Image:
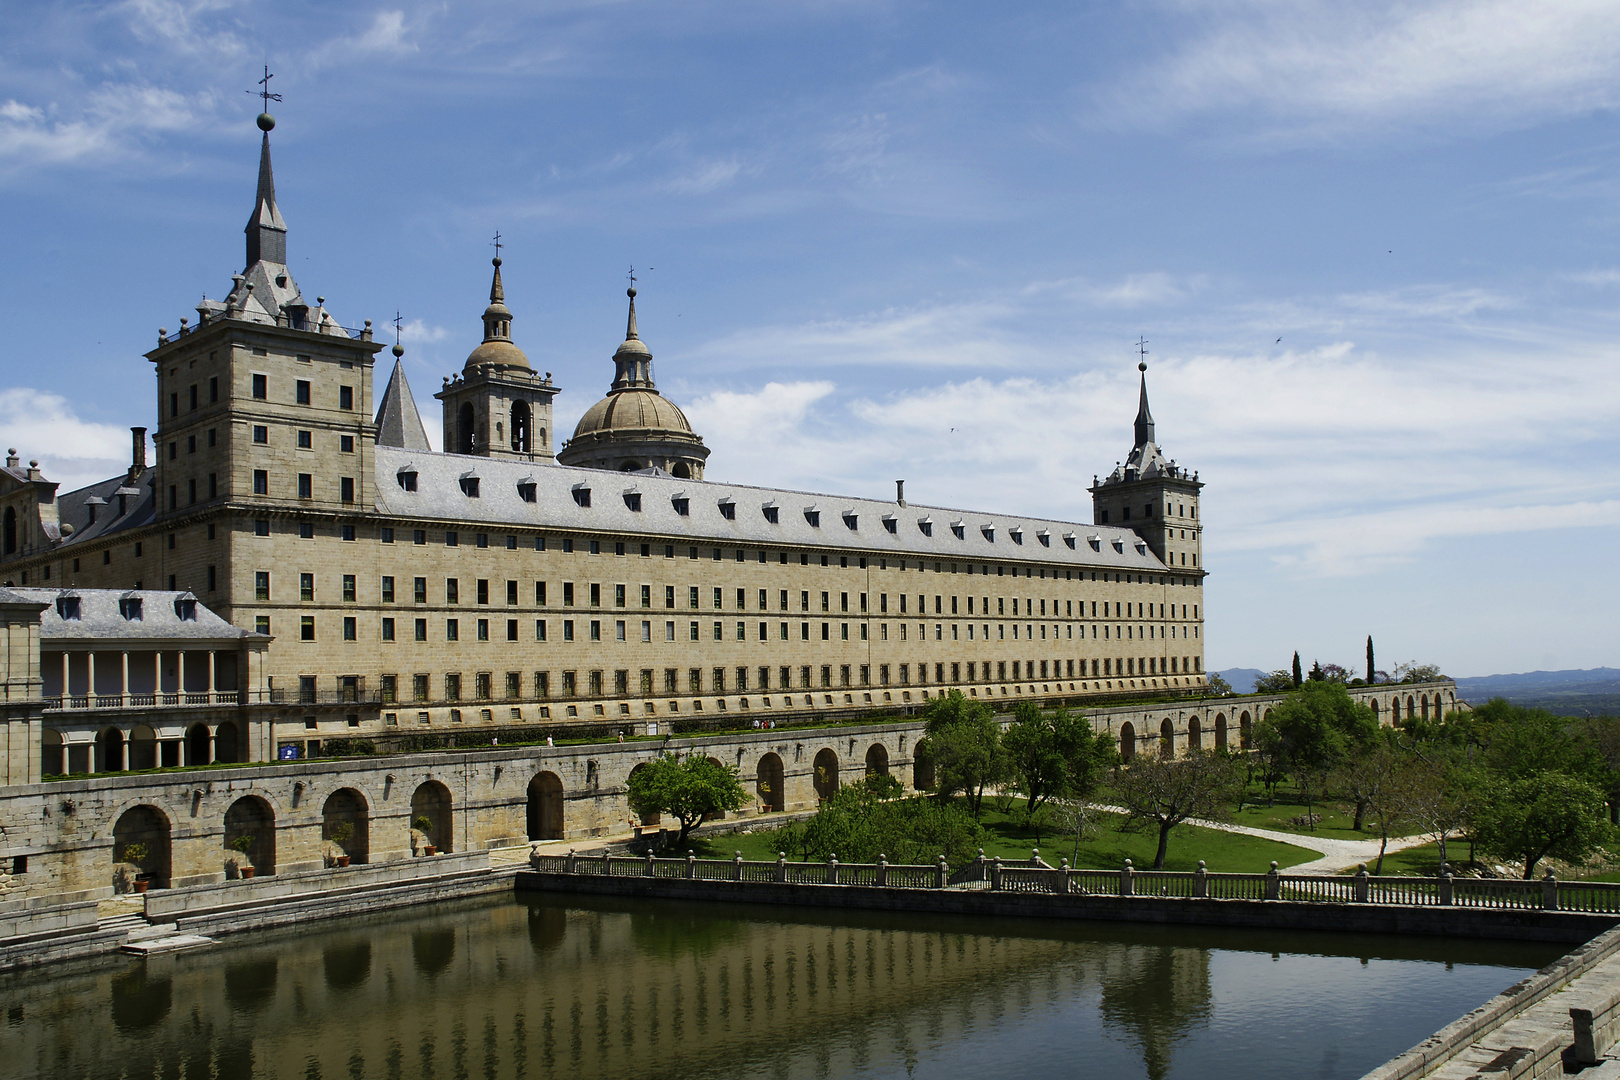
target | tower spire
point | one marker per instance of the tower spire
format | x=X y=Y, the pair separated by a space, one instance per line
x=266 y=232
x=497 y=317
x=630 y=327
x=1144 y=418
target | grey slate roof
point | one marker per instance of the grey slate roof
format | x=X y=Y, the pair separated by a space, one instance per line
x=100 y=617
x=852 y=524
x=140 y=502
x=398 y=422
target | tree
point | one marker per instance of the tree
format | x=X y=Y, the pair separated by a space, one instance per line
x=1372 y=670
x=1313 y=731
x=1073 y=817
x=1336 y=673
x=1376 y=779
x=964 y=745
x=1415 y=673
x=1276 y=682
x=1219 y=687
x=688 y=789
x=1298 y=676
x=1055 y=757
x=1535 y=817
x=1438 y=794
x=857 y=825
x=1165 y=793
x=1316 y=671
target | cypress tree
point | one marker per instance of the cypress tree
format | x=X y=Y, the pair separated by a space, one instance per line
x=1299 y=675
x=1369 y=660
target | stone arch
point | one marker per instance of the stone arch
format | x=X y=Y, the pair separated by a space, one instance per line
x=922 y=767
x=110 y=751
x=1195 y=734
x=52 y=753
x=1423 y=705
x=199 y=745
x=1220 y=731
x=431 y=800
x=1395 y=711
x=252 y=817
x=347 y=806
x=650 y=818
x=1411 y=707
x=9 y=542
x=1167 y=738
x=142 y=747
x=520 y=427
x=630 y=465
x=149 y=827
x=227 y=742
x=877 y=760
x=682 y=471
x=1373 y=705
x=545 y=807
x=466 y=431
x=824 y=770
x=1127 y=741
x=1245 y=732
x=769 y=783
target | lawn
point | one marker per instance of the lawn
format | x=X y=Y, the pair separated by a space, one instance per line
x=1106 y=849
x=1424 y=861
x=1335 y=823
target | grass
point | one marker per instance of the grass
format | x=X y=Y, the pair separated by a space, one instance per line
x=1106 y=849
x=1335 y=823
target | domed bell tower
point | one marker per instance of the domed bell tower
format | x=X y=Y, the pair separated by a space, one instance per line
x=498 y=406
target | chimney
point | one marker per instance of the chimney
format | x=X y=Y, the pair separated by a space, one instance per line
x=900 y=492
x=138 y=455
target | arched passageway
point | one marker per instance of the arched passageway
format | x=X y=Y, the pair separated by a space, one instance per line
x=430 y=807
x=199 y=745
x=825 y=769
x=227 y=745
x=716 y=815
x=1127 y=741
x=769 y=783
x=250 y=828
x=545 y=807
x=1167 y=738
x=1245 y=732
x=141 y=838
x=922 y=767
x=346 y=822
x=52 y=753
x=1195 y=734
x=877 y=760
x=142 y=747
x=1220 y=731
x=110 y=751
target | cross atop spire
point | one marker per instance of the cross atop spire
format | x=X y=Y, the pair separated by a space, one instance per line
x=497 y=243
x=266 y=232
x=264 y=90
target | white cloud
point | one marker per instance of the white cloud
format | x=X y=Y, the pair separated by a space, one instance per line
x=418 y=332
x=109 y=125
x=71 y=450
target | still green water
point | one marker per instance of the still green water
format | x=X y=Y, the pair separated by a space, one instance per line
x=542 y=986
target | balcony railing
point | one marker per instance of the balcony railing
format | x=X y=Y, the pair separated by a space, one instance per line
x=166 y=700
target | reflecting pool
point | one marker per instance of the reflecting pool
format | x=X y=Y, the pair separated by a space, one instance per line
x=545 y=986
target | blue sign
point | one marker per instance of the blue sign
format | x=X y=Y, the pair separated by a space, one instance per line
x=289 y=752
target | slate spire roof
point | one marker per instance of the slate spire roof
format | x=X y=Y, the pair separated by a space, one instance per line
x=398 y=422
x=1144 y=418
x=266 y=232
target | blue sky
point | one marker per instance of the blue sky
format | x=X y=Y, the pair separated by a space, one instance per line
x=907 y=239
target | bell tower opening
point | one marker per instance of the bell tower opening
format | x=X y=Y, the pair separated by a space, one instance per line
x=520 y=427
x=466 y=429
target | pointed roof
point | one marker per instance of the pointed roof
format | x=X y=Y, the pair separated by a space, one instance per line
x=496 y=350
x=266 y=231
x=398 y=422
x=632 y=361
x=1144 y=418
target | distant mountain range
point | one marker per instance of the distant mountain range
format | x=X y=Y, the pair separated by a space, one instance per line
x=1594 y=691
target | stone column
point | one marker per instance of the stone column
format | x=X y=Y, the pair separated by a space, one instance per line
x=210 y=676
x=65 y=694
x=123 y=678
x=157 y=677
x=90 y=678
x=180 y=675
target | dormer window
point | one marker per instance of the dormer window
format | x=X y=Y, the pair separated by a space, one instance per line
x=1095 y=542
x=1141 y=549
x=582 y=495
x=1119 y=545
x=1044 y=537
x=1017 y=534
x=67 y=607
x=1068 y=538
x=185 y=608
x=772 y=513
x=130 y=608
x=407 y=479
x=813 y=516
x=926 y=526
x=469 y=486
x=527 y=489
x=891 y=523
x=682 y=505
x=987 y=531
x=850 y=520
x=632 y=500
x=728 y=509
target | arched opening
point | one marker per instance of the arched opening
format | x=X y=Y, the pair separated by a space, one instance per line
x=1373 y=704
x=52 y=754
x=1244 y=731
x=1127 y=741
x=1167 y=738
x=1411 y=707
x=682 y=471
x=922 y=767
x=141 y=838
x=630 y=466
x=716 y=815
x=769 y=785
x=346 y=822
x=545 y=807
x=1395 y=711
x=110 y=751
x=10 y=541
x=825 y=769
x=520 y=427
x=653 y=818
x=466 y=434
x=877 y=760
x=226 y=746
x=1423 y=706
x=199 y=746
x=142 y=747
x=1195 y=734
x=251 y=818
x=430 y=806
x=1220 y=731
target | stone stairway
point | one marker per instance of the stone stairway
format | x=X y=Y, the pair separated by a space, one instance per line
x=146 y=938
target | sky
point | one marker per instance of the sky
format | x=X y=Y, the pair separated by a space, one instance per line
x=1372 y=249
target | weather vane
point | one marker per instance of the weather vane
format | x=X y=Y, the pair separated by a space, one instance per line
x=497 y=243
x=1141 y=349
x=397 y=321
x=265 y=92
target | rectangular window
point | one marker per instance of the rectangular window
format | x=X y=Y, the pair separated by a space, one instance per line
x=419 y=688
x=261 y=387
x=596 y=595
x=539 y=629
x=306 y=486
x=596 y=630
x=452 y=630
x=261 y=585
x=306 y=628
x=348 y=628
x=452 y=686
x=511 y=630
x=346 y=397
x=483 y=629
x=387 y=589
x=568 y=629
x=511 y=594
x=388 y=629
x=421 y=629
x=348 y=588
x=452 y=590
x=483 y=590
x=346 y=489
x=261 y=482
x=306 y=587
x=303 y=392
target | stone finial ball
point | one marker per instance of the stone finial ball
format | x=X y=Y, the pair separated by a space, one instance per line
x=399 y=350
x=496 y=261
x=266 y=121
x=630 y=292
x=1142 y=366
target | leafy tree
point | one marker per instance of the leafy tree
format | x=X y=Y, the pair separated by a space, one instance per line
x=688 y=789
x=1516 y=742
x=1439 y=794
x=1316 y=671
x=1057 y=756
x=1552 y=814
x=1601 y=736
x=883 y=785
x=857 y=825
x=1376 y=779
x=1336 y=673
x=1164 y=793
x=1072 y=817
x=964 y=745
x=1219 y=687
x=1415 y=673
x=1276 y=682
x=1314 y=731
x=1298 y=677
x=1372 y=669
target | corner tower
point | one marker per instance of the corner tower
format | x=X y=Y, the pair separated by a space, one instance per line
x=635 y=427
x=1153 y=497
x=498 y=406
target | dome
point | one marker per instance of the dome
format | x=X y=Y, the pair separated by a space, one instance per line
x=496 y=353
x=633 y=410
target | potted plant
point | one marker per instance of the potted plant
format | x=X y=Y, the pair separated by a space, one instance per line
x=340 y=833
x=135 y=854
x=424 y=825
x=242 y=844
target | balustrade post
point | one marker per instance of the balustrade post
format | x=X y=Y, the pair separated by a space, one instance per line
x=832 y=869
x=941 y=873
x=1549 y=892
x=883 y=870
x=568 y=864
x=1063 y=887
x=1273 y=883
x=1363 y=886
x=1445 y=885
x=607 y=863
x=1126 y=886
x=781 y=866
x=736 y=867
x=995 y=875
x=649 y=872
x=980 y=864
x=1201 y=881
x=691 y=866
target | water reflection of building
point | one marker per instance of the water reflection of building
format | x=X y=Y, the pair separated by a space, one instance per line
x=552 y=991
x=1157 y=994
